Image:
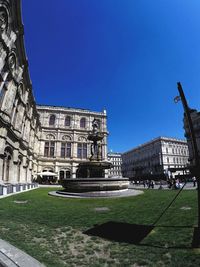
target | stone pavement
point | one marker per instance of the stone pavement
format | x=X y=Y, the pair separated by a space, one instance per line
x=11 y=256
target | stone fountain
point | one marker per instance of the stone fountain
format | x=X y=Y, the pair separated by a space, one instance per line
x=91 y=174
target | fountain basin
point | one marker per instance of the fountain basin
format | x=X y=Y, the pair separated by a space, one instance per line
x=95 y=184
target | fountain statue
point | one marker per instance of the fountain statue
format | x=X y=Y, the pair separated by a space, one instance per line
x=91 y=173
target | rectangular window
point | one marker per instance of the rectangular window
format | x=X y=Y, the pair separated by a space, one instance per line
x=52 y=149
x=68 y=154
x=82 y=151
x=62 y=154
x=49 y=149
x=79 y=151
x=46 y=149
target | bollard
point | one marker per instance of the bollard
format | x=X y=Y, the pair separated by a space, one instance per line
x=5 y=191
x=14 y=188
x=21 y=187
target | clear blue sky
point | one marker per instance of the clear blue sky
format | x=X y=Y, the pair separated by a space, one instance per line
x=122 y=55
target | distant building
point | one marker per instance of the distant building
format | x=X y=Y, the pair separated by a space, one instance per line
x=116 y=160
x=195 y=116
x=160 y=157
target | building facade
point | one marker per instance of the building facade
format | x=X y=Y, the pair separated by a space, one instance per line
x=195 y=116
x=19 y=121
x=116 y=160
x=160 y=157
x=63 y=140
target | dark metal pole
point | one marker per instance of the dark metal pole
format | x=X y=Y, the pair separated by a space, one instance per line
x=195 y=169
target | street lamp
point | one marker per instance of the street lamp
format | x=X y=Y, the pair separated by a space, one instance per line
x=195 y=168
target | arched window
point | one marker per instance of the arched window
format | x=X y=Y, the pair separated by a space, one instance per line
x=82 y=123
x=52 y=120
x=67 y=121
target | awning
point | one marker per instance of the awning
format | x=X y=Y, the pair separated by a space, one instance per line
x=47 y=173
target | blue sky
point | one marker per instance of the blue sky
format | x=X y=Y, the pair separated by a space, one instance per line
x=122 y=55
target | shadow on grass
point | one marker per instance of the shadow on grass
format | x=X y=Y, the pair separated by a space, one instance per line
x=121 y=232
x=132 y=234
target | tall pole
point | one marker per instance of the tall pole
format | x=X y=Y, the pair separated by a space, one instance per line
x=195 y=168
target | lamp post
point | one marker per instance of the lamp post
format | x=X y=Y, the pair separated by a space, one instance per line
x=195 y=168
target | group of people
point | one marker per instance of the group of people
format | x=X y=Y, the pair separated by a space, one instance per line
x=149 y=183
x=174 y=184
x=171 y=183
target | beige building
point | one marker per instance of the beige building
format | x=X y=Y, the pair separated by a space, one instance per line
x=116 y=160
x=161 y=156
x=35 y=138
x=19 y=122
x=63 y=140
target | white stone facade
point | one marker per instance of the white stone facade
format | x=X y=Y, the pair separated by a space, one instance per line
x=116 y=160
x=63 y=140
x=156 y=157
x=19 y=122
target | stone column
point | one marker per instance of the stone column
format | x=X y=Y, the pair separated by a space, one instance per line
x=1 y=168
x=58 y=149
x=74 y=169
x=14 y=168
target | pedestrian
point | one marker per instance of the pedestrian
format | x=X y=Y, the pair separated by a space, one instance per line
x=194 y=181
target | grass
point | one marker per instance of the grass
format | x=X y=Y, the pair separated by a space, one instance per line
x=51 y=229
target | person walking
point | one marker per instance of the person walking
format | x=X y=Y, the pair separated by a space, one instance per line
x=194 y=181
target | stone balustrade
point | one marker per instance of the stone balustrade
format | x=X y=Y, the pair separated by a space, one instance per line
x=7 y=189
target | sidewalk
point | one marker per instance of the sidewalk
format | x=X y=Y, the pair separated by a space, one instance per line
x=11 y=256
x=188 y=186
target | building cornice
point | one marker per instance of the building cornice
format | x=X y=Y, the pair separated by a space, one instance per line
x=69 y=110
x=158 y=139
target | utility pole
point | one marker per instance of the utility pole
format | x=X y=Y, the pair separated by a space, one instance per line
x=195 y=168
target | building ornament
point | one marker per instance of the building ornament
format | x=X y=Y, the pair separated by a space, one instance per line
x=3 y=20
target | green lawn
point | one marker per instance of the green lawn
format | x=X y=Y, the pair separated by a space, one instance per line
x=51 y=229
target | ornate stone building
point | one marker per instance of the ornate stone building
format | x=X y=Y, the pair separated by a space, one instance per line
x=157 y=158
x=63 y=142
x=116 y=160
x=19 y=122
